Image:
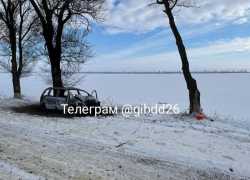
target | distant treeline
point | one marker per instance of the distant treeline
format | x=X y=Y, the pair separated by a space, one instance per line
x=157 y=72
x=164 y=72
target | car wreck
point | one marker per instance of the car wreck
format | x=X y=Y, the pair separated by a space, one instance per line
x=54 y=98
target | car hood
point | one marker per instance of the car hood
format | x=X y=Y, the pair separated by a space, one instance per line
x=86 y=98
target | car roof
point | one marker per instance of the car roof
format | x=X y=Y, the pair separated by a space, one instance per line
x=65 y=88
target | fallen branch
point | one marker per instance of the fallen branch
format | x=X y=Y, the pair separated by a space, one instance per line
x=121 y=144
x=192 y=126
x=138 y=127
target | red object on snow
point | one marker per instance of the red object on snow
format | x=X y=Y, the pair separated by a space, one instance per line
x=200 y=116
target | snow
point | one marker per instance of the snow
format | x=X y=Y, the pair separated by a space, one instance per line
x=225 y=94
x=164 y=146
x=15 y=171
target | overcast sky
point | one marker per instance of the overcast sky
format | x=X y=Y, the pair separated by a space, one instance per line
x=138 y=38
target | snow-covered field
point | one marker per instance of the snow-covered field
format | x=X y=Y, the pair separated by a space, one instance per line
x=227 y=94
x=163 y=147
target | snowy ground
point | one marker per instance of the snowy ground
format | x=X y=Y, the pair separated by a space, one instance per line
x=164 y=147
x=227 y=94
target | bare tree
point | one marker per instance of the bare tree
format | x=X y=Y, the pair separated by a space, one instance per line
x=194 y=93
x=58 y=16
x=17 y=39
x=76 y=52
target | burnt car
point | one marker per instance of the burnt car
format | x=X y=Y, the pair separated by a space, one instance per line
x=53 y=98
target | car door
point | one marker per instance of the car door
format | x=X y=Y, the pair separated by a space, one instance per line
x=50 y=99
x=62 y=98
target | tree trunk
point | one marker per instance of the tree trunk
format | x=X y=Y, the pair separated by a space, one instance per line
x=56 y=71
x=194 y=94
x=16 y=85
x=15 y=74
x=55 y=60
x=14 y=71
x=56 y=75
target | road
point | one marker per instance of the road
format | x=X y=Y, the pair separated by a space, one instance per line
x=39 y=154
x=35 y=147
